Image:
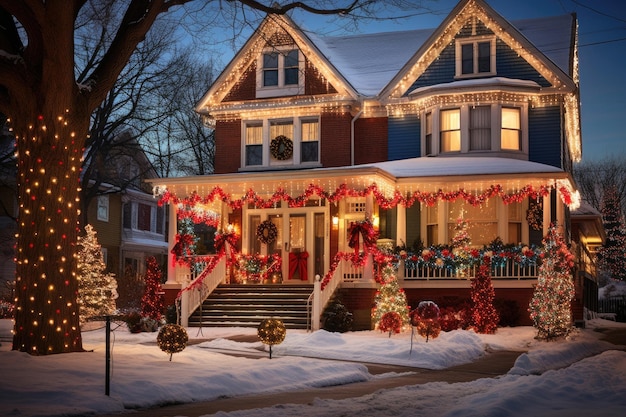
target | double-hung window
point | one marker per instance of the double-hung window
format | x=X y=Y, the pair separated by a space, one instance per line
x=254 y=143
x=480 y=128
x=428 y=132
x=281 y=142
x=279 y=73
x=450 y=132
x=309 y=145
x=475 y=56
x=511 y=129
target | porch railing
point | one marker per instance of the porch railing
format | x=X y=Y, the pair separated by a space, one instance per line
x=200 y=284
x=505 y=269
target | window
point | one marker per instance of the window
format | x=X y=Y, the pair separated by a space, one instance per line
x=309 y=148
x=254 y=144
x=515 y=222
x=302 y=147
x=273 y=62
x=450 y=130
x=428 y=131
x=482 y=221
x=144 y=218
x=480 y=128
x=432 y=229
x=270 y=69
x=475 y=56
x=280 y=72
x=511 y=126
x=103 y=208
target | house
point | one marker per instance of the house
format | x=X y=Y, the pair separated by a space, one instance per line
x=130 y=224
x=322 y=140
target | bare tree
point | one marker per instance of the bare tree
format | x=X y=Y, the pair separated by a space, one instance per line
x=594 y=177
x=184 y=145
x=50 y=113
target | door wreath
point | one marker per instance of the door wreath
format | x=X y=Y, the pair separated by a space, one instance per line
x=281 y=147
x=267 y=232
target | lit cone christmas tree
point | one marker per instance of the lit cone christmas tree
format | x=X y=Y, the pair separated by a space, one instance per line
x=97 y=289
x=485 y=318
x=152 y=301
x=550 y=307
x=391 y=311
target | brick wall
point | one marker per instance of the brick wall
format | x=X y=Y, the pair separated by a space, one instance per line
x=335 y=139
x=245 y=88
x=370 y=140
x=227 y=146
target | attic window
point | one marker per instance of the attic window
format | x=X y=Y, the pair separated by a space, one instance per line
x=475 y=56
x=280 y=73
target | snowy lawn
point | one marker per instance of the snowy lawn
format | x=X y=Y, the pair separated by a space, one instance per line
x=577 y=376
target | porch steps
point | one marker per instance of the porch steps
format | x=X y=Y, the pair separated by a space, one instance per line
x=237 y=305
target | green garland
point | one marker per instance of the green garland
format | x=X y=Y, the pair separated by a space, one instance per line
x=281 y=147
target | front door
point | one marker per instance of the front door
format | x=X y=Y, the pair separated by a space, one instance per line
x=301 y=240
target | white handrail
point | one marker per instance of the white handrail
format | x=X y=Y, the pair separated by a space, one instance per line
x=194 y=293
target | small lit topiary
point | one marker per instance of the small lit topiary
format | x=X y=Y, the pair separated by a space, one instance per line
x=272 y=332
x=172 y=339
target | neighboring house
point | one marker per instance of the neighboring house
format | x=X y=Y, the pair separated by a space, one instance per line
x=412 y=130
x=130 y=224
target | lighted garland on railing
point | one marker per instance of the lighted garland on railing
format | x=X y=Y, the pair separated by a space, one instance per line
x=343 y=191
x=212 y=262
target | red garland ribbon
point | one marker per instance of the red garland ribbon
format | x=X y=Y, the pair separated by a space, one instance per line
x=181 y=248
x=197 y=283
x=298 y=263
x=222 y=238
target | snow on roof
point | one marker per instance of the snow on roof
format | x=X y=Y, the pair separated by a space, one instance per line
x=370 y=61
x=453 y=166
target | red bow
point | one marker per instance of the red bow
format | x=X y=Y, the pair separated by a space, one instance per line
x=297 y=262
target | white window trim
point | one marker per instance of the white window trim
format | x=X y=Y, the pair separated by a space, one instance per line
x=103 y=202
x=281 y=89
x=496 y=127
x=475 y=40
x=267 y=160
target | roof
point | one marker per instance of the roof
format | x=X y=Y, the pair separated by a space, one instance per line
x=370 y=61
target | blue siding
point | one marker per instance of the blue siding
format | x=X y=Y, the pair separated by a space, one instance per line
x=508 y=64
x=403 y=137
x=544 y=135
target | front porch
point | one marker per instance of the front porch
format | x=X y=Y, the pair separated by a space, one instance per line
x=420 y=276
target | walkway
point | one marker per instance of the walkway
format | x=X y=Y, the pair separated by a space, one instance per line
x=489 y=366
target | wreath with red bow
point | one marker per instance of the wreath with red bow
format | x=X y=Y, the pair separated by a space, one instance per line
x=364 y=229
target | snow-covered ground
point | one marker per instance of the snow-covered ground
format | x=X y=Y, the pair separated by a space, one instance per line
x=579 y=376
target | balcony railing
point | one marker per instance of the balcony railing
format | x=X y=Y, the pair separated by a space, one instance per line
x=507 y=269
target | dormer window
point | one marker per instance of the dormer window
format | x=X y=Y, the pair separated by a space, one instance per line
x=280 y=73
x=475 y=56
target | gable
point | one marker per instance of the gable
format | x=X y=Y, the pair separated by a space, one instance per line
x=277 y=35
x=476 y=18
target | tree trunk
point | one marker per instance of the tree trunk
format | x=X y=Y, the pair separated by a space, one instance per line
x=50 y=152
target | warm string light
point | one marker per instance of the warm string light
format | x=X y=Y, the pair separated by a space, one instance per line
x=43 y=204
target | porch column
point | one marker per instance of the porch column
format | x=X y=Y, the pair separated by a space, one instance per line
x=547 y=211
x=171 y=241
x=368 y=268
x=400 y=224
x=560 y=215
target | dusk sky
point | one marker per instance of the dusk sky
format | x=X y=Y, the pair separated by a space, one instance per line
x=602 y=52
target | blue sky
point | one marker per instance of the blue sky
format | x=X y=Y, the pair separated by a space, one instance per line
x=602 y=52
